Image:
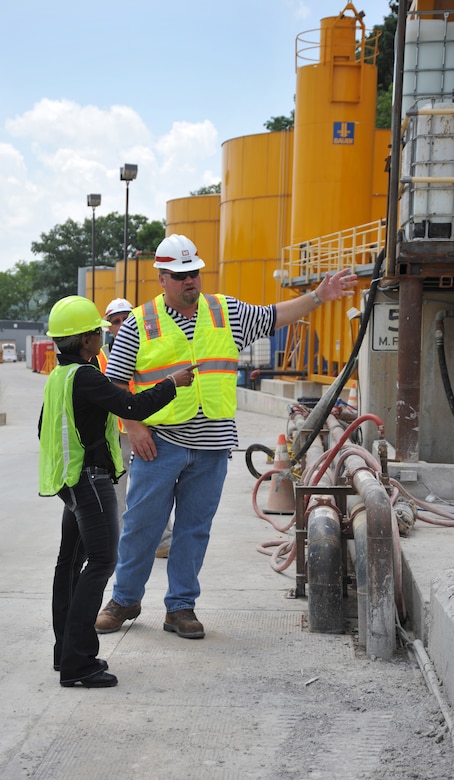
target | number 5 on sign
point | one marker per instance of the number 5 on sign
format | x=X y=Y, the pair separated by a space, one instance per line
x=385 y=327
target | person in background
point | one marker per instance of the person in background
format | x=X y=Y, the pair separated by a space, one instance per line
x=117 y=311
x=181 y=452
x=79 y=460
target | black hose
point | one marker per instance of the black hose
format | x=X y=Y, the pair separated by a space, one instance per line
x=322 y=410
x=257 y=448
x=440 y=342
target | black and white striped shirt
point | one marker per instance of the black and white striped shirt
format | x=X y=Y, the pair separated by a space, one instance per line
x=248 y=323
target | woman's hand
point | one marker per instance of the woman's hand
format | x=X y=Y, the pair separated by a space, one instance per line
x=184 y=377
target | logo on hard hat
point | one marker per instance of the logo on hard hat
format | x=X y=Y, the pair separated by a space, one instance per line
x=185 y=252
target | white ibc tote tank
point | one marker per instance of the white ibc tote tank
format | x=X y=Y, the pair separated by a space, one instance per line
x=427 y=195
x=427 y=200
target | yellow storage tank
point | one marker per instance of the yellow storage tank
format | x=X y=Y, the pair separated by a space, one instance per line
x=197 y=217
x=142 y=284
x=255 y=215
x=104 y=286
x=334 y=129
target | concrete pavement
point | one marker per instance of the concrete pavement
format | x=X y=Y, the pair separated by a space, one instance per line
x=229 y=700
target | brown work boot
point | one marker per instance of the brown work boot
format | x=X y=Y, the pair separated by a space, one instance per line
x=112 y=617
x=162 y=552
x=184 y=623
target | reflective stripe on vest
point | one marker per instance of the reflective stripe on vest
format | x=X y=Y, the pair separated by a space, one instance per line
x=164 y=348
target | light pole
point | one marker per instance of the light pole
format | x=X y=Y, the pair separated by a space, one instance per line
x=127 y=173
x=93 y=201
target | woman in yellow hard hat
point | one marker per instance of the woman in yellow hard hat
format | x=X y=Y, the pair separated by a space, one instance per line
x=80 y=460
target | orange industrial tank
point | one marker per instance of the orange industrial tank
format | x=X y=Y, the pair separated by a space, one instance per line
x=255 y=214
x=197 y=217
x=143 y=284
x=334 y=128
x=104 y=285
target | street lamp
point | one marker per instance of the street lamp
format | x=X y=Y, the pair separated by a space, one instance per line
x=93 y=201
x=128 y=173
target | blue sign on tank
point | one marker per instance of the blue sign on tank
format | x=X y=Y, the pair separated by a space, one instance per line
x=344 y=133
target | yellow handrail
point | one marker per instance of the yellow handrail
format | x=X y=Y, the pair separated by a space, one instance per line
x=304 y=264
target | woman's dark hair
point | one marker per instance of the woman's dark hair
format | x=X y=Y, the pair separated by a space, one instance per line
x=69 y=345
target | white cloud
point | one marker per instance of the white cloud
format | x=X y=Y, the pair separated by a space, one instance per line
x=75 y=124
x=59 y=151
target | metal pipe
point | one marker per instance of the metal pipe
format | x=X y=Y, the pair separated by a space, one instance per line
x=427 y=111
x=324 y=571
x=358 y=552
x=125 y=247
x=93 y=255
x=324 y=554
x=427 y=180
x=313 y=455
x=391 y=231
x=380 y=639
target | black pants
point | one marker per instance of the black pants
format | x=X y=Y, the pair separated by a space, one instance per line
x=90 y=534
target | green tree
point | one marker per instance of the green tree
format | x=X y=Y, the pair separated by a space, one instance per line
x=385 y=57
x=150 y=235
x=384 y=108
x=63 y=249
x=211 y=189
x=110 y=236
x=20 y=292
x=385 y=65
x=68 y=247
x=277 y=123
x=7 y=298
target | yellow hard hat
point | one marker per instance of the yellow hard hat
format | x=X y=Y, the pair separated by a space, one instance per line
x=73 y=315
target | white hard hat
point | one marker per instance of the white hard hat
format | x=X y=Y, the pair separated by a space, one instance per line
x=177 y=253
x=117 y=306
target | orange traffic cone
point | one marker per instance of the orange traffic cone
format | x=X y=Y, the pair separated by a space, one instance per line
x=281 y=500
x=353 y=398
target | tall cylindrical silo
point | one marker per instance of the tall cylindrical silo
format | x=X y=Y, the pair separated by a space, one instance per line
x=334 y=129
x=255 y=214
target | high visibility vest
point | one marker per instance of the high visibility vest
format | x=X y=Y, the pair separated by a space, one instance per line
x=164 y=348
x=103 y=357
x=61 y=453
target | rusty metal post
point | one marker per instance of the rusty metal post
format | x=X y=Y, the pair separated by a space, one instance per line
x=409 y=369
x=301 y=534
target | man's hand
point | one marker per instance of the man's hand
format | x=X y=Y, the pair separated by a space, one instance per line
x=141 y=439
x=336 y=285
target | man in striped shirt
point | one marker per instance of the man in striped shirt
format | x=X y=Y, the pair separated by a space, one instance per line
x=180 y=454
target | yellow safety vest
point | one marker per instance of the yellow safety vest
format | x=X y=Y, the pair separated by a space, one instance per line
x=61 y=452
x=164 y=348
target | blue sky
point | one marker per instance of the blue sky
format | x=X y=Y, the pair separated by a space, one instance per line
x=89 y=86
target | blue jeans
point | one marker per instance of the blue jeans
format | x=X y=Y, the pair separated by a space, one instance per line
x=89 y=536
x=192 y=480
